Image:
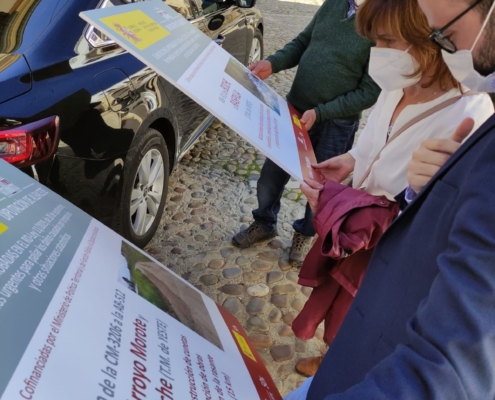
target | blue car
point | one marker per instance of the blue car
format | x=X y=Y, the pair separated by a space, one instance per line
x=93 y=123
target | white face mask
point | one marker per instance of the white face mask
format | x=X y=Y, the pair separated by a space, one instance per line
x=462 y=66
x=390 y=68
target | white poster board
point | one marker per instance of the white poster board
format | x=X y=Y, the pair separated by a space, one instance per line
x=166 y=42
x=85 y=315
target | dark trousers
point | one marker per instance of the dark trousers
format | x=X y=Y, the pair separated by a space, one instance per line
x=329 y=138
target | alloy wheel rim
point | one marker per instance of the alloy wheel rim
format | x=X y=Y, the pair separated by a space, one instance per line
x=255 y=53
x=147 y=192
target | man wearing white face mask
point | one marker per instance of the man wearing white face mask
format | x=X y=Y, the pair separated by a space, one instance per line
x=422 y=325
x=420 y=99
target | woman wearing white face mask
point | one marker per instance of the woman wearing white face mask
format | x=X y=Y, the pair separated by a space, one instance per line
x=414 y=78
x=420 y=99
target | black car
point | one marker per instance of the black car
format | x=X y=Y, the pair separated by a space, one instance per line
x=89 y=120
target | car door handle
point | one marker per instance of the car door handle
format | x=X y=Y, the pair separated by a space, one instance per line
x=219 y=40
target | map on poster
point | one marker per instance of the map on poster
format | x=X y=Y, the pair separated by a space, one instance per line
x=166 y=42
x=85 y=315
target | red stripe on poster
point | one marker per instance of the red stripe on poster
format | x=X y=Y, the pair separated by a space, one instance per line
x=259 y=374
x=304 y=146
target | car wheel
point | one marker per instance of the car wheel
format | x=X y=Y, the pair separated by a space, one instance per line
x=145 y=188
x=256 y=52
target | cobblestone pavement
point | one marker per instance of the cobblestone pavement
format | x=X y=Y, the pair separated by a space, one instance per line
x=211 y=196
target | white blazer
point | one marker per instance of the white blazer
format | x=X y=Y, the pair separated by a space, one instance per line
x=388 y=176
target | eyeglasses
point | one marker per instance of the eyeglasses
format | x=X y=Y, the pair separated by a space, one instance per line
x=444 y=42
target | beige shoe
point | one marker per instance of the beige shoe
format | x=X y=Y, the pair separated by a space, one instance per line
x=308 y=366
x=300 y=247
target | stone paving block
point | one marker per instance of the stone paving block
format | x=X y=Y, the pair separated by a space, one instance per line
x=298 y=304
x=258 y=324
x=260 y=265
x=292 y=276
x=241 y=260
x=290 y=317
x=259 y=290
x=209 y=279
x=256 y=306
x=274 y=276
x=284 y=265
x=233 y=305
x=193 y=220
x=261 y=340
x=276 y=244
x=285 y=331
x=285 y=370
x=280 y=300
x=301 y=346
x=231 y=272
x=269 y=255
x=287 y=288
x=154 y=250
x=216 y=264
x=275 y=315
x=283 y=352
x=232 y=290
x=199 y=211
x=251 y=276
x=226 y=252
x=179 y=216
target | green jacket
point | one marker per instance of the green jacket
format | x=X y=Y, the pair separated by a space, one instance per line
x=332 y=62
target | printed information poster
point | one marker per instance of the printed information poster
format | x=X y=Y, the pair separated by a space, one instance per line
x=166 y=42
x=85 y=315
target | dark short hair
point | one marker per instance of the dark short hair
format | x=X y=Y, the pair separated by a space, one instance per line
x=483 y=7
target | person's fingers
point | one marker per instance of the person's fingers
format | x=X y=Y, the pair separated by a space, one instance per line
x=427 y=156
x=463 y=130
x=447 y=146
x=253 y=66
x=322 y=165
x=313 y=184
x=419 y=168
x=418 y=182
x=311 y=195
x=307 y=191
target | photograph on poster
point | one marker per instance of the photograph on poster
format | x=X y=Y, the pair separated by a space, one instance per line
x=7 y=188
x=164 y=290
x=250 y=82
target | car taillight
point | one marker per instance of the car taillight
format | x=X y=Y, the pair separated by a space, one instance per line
x=29 y=144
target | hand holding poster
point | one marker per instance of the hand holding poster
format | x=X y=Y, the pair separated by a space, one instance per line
x=166 y=42
x=85 y=315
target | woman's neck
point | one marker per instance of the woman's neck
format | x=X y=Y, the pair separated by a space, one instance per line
x=417 y=93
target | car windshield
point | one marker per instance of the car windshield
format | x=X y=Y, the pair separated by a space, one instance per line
x=23 y=21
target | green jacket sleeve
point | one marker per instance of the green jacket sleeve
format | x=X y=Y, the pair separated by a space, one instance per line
x=289 y=56
x=350 y=103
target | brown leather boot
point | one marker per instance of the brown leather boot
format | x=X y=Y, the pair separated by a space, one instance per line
x=308 y=366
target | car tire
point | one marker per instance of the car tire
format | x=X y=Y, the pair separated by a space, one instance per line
x=144 y=191
x=256 y=46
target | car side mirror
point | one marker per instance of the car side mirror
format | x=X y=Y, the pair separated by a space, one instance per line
x=246 y=3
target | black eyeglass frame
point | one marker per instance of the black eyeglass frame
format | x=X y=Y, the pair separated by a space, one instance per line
x=439 y=39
